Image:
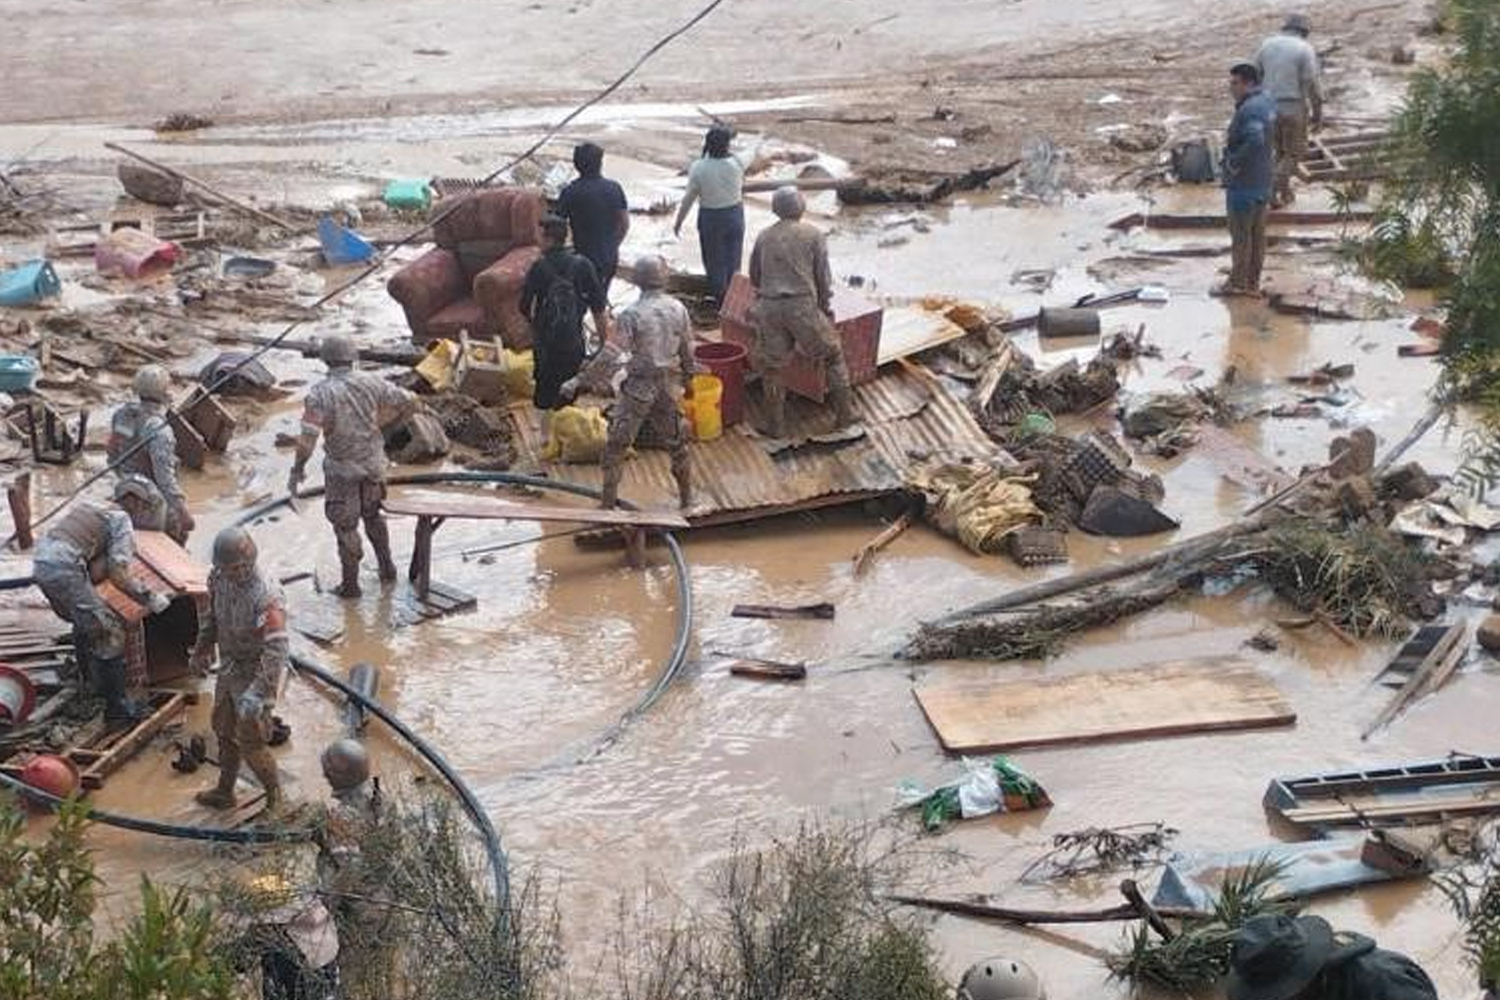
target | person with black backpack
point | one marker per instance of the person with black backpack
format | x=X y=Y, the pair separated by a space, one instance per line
x=559 y=287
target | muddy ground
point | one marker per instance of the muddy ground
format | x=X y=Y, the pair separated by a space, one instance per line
x=320 y=103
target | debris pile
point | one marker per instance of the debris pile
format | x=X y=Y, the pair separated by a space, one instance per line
x=481 y=434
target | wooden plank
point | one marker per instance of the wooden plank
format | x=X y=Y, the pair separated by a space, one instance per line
x=1165 y=700
x=1400 y=813
x=112 y=758
x=171 y=562
x=488 y=509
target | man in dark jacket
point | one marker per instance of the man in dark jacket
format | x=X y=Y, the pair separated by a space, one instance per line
x=1249 y=173
x=1285 y=958
x=559 y=287
x=595 y=208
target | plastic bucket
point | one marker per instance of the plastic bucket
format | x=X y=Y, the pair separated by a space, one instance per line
x=17 y=696
x=342 y=246
x=31 y=282
x=134 y=254
x=728 y=362
x=703 y=410
x=17 y=372
x=408 y=194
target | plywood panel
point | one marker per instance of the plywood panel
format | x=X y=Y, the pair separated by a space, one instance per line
x=1164 y=700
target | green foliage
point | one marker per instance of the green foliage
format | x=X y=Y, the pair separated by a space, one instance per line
x=1474 y=893
x=47 y=948
x=1199 y=955
x=1411 y=253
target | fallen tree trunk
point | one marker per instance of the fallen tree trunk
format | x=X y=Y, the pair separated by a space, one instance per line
x=984 y=911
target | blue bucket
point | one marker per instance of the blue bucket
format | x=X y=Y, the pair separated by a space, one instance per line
x=342 y=246
x=28 y=284
x=17 y=372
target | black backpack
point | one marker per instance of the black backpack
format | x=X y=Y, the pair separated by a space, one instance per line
x=560 y=311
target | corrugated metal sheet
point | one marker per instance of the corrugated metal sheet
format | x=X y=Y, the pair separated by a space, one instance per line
x=909 y=418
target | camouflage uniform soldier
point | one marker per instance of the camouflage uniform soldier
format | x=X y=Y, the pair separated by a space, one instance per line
x=343 y=876
x=657 y=335
x=349 y=408
x=246 y=620
x=794 y=310
x=67 y=562
x=143 y=427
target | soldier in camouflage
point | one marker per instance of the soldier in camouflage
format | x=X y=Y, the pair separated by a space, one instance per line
x=794 y=310
x=246 y=621
x=343 y=873
x=349 y=408
x=654 y=341
x=97 y=541
x=142 y=443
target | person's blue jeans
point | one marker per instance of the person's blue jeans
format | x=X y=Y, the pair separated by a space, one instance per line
x=721 y=234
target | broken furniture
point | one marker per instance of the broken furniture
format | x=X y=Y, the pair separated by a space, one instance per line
x=1422 y=665
x=98 y=752
x=1397 y=795
x=1169 y=699
x=431 y=513
x=484 y=381
x=201 y=425
x=52 y=442
x=1361 y=156
x=856 y=319
x=186 y=229
x=471 y=280
x=157 y=646
x=18 y=497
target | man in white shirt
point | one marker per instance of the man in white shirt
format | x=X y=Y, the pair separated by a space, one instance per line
x=1289 y=73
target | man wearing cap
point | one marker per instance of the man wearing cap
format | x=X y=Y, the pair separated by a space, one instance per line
x=142 y=443
x=348 y=409
x=1290 y=75
x=1277 y=957
x=97 y=541
x=794 y=309
x=654 y=342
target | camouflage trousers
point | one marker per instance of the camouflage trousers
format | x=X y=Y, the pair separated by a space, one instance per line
x=797 y=324
x=235 y=678
x=346 y=502
x=97 y=630
x=646 y=402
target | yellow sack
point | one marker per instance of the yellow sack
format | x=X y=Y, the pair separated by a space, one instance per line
x=520 y=373
x=437 y=368
x=577 y=436
x=976 y=504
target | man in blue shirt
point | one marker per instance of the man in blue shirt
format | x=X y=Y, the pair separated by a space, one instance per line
x=1249 y=173
x=596 y=210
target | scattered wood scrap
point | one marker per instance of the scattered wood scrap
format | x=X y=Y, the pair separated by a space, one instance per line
x=1424 y=664
x=799 y=612
x=1165 y=700
x=769 y=670
x=1392 y=795
x=1011 y=915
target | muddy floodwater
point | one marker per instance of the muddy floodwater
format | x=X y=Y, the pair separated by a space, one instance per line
x=565 y=640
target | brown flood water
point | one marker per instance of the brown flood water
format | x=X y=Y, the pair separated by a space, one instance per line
x=564 y=641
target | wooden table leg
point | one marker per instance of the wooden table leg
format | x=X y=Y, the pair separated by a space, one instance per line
x=18 y=493
x=635 y=546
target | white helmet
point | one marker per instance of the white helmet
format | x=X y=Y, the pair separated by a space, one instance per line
x=1000 y=979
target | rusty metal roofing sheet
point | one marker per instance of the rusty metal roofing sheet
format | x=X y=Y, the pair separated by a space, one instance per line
x=909 y=417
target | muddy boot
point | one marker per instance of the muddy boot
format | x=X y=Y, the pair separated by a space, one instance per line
x=120 y=711
x=775 y=407
x=682 y=471
x=221 y=796
x=349 y=582
x=263 y=765
x=842 y=402
x=380 y=540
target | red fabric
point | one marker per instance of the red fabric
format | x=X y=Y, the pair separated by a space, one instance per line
x=425 y=286
x=498 y=290
x=462 y=314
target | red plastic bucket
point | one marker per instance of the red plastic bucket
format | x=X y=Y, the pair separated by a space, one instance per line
x=727 y=361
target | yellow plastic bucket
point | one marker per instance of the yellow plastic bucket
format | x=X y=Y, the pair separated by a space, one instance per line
x=704 y=411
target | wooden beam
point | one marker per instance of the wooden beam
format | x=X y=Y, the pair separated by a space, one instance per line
x=1432 y=673
x=206 y=187
x=490 y=509
x=1011 y=915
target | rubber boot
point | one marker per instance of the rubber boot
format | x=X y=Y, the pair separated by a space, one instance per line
x=609 y=496
x=263 y=766
x=775 y=407
x=842 y=401
x=221 y=796
x=380 y=540
x=120 y=711
x=682 y=471
x=349 y=582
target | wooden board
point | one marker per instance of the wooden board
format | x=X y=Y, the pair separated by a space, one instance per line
x=171 y=562
x=1165 y=700
x=486 y=509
